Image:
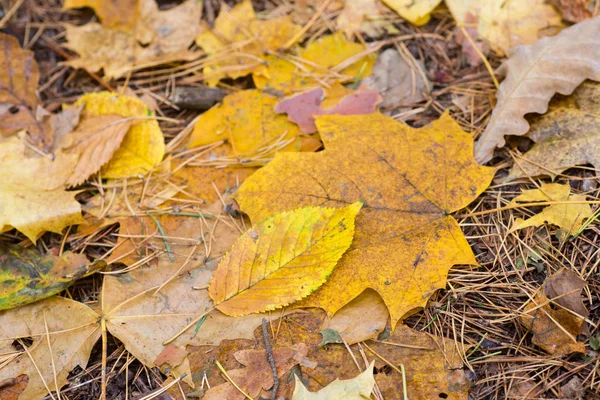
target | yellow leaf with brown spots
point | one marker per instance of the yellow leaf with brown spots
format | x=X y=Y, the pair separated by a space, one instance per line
x=410 y=180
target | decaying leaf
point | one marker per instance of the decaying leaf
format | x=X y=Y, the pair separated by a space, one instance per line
x=416 y=12
x=95 y=141
x=398 y=82
x=282 y=259
x=566 y=136
x=115 y=14
x=250 y=39
x=555 y=328
x=157 y=37
x=304 y=107
x=19 y=78
x=361 y=319
x=32 y=195
x=505 y=24
x=248 y=122
x=433 y=366
x=368 y=16
x=63 y=332
x=569 y=217
x=328 y=60
x=257 y=373
x=572 y=10
x=410 y=180
x=26 y=275
x=534 y=74
x=143 y=146
x=357 y=388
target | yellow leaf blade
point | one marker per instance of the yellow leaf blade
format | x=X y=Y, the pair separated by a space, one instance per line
x=417 y=12
x=357 y=388
x=283 y=259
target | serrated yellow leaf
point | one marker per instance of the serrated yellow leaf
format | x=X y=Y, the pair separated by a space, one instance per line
x=248 y=122
x=143 y=146
x=410 y=179
x=282 y=259
x=414 y=11
x=569 y=217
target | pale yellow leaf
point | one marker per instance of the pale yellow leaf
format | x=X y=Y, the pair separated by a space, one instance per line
x=358 y=388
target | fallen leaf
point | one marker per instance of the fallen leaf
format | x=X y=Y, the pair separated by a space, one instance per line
x=249 y=124
x=410 y=180
x=398 y=82
x=368 y=16
x=566 y=136
x=250 y=38
x=534 y=74
x=329 y=59
x=62 y=124
x=302 y=108
x=116 y=14
x=564 y=288
x=18 y=99
x=282 y=259
x=568 y=217
x=506 y=24
x=357 y=388
x=32 y=193
x=143 y=146
x=63 y=332
x=26 y=275
x=433 y=366
x=11 y=389
x=417 y=12
x=555 y=328
x=471 y=53
x=95 y=141
x=157 y=37
x=258 y=373
x=572 y=10
x=361 y=319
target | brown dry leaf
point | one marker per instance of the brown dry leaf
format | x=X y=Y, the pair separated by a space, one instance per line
x=114 y=14
x=63 y=333
x=569 y=217
x=361 y=319
x=257 y=373
x=19 y=103
x=505 y=24
x=368 y=16
x=573 y=10
x=12 y=388
x=534 y=74
x=565 y=285
x=239 y=40
x=410 y=180
x=433 y=365
x=32 y=193
x=555 y=328
x=95 y=141
x=566 y=136
x=357 y=388
x=304 y=107
x=398 y=82
x=158 y=37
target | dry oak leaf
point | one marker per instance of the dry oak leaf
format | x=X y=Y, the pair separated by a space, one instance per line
x=282 y=259
x=568 y=217
x=358 y=388
x=95 y=141
x=329 y=59
x=114 y=14
x=555 y=329
x=26 y=275
x=417 y=12
x=257 y=374
x=534 y=74
x=19 y=76
x=158 y=37
x=302 y=108
x=32 y=192
x=410 y=180
x=143 y=146
x=505 y=24
x=566 y=136
x=247 y=121
x=239 y=40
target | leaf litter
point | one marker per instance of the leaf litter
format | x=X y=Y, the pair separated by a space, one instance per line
x=159 y=212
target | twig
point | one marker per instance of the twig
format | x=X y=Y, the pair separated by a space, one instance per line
x=270 y=358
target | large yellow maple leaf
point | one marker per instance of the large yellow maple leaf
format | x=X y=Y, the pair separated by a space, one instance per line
x=410 y=180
